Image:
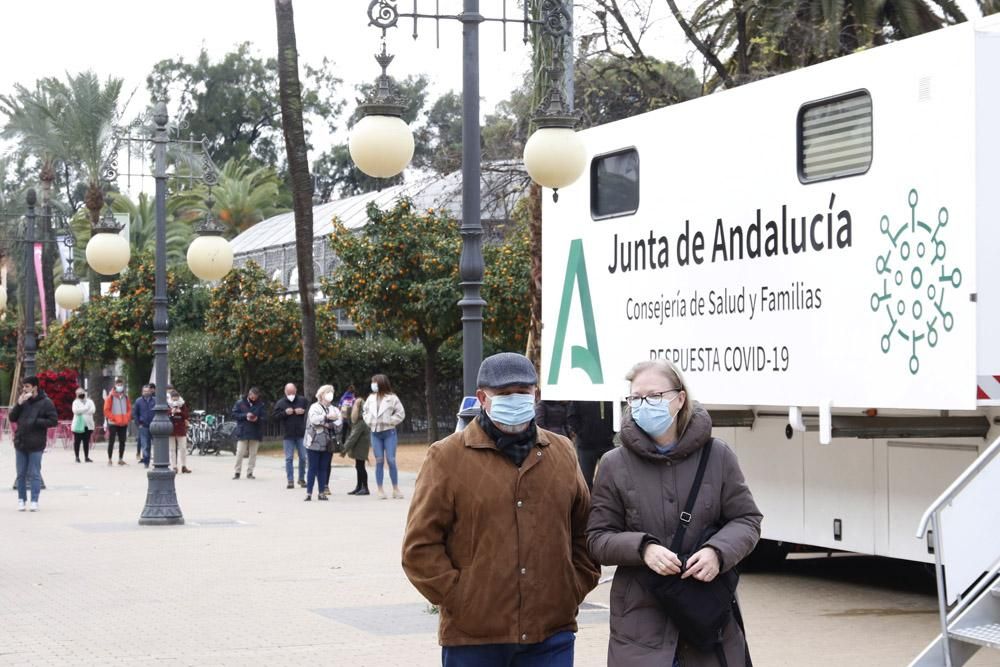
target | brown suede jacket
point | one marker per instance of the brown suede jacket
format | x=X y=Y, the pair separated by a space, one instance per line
x=501 y=549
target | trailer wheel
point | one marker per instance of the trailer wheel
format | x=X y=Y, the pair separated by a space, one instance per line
x=767 y=555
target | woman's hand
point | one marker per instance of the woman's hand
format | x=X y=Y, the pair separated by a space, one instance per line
x=661 y=560
x=703 y=565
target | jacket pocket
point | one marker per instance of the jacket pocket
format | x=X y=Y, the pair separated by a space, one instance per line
x=635 y=618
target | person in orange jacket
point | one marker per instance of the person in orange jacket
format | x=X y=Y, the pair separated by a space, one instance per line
x=117 y=413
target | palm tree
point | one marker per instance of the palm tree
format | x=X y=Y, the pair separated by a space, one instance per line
x=142 y=226
x=30 y=114
x=290 y=91
x=72 y=123
x=244 y=195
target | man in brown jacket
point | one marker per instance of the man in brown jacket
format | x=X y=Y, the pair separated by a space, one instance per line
x=496 y=531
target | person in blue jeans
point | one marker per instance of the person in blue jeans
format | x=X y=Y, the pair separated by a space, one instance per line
x=324 y=423
x=383 y=412
x=34 y=415
x=142 y=413
x=290 y=410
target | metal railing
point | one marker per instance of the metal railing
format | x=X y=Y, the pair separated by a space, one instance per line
x=932 y=523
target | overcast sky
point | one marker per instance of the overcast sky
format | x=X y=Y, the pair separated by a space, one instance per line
x=126 y=37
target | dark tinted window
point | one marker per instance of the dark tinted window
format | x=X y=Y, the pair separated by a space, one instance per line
x=835 y=137
x=614 y=184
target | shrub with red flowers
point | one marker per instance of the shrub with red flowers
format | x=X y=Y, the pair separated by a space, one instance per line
x=61 y=388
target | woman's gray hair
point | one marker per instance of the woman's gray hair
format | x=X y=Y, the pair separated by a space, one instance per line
x=322 y=390
x=673 y=375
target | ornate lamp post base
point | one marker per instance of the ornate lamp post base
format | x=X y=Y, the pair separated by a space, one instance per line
x=161 y=500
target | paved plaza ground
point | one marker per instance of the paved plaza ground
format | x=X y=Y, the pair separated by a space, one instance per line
x=258 y=577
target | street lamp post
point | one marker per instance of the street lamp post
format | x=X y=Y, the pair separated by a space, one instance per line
x=161 y=496
x=30 y=340
x=68 y=294
x=210 y=260
x=555 y=23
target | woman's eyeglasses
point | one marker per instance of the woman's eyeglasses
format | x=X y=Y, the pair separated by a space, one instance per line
x=652 y=399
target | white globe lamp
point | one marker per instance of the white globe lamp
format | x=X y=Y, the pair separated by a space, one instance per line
x=69 y=296
x=381 y=143
x=210 y=257
x=554 y=157
x=108 y=253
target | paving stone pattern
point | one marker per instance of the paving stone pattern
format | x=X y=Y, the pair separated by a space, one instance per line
x=258 y=577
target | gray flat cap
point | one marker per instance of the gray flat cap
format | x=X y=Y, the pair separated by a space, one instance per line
x=506 y=369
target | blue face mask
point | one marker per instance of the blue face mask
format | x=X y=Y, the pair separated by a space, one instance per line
x=653 y=419
x=512 y=409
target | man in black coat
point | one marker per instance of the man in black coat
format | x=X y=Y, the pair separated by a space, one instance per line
x=249 y=415
x=592 y=428
x=34 y=415
x=290 y=410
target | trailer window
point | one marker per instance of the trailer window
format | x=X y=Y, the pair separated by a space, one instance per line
x=614 y=184
x=835 y=137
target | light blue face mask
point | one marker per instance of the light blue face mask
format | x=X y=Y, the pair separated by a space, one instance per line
x=653 y=419
x=512 y=409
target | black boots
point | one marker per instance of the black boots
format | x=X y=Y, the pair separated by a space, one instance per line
x=363 y=491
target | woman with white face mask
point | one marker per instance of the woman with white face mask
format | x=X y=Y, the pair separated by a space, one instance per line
x=640 y=495
x=322 y=426
x=383 y=412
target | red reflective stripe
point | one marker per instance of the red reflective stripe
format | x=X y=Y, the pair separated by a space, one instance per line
x=981 y=395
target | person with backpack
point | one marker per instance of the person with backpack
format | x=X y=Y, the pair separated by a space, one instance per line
x=672 y=511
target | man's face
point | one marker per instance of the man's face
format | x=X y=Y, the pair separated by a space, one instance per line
x=290 y=389
x=252 y=397
x=28 y=388
x=487 y=395
x=147 y=391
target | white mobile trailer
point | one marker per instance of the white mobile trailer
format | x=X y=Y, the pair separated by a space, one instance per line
x=822 y=243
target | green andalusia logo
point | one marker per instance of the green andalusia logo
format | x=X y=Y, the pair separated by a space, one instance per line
x=587 y=359
x=914 y=280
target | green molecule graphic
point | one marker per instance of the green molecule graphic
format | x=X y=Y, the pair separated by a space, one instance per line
x=914 y=280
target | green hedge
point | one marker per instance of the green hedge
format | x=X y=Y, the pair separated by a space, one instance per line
x=207 y=382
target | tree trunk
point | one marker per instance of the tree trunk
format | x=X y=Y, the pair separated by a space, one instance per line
x=50 y=253
x=534 y=346
x=290 y=90
x=430 y=388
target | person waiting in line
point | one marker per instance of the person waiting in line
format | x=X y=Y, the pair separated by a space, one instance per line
x=290 y=410
x=117 y=415
x=641 y=491
x=591 y=425
x=383 y=411
x=83 y=424
x=323 y=422
x=357 y=446
x=551 y=415
x=177 y=444
x=249 y=415
x=143 y=411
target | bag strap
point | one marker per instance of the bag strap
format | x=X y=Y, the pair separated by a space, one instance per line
x=678 y=540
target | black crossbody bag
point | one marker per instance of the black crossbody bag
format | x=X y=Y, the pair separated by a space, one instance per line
x=700 y=610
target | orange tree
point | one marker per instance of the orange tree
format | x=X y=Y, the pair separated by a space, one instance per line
x=398 y=276
x=79 y=341
x=117 y=325
x=252 y=324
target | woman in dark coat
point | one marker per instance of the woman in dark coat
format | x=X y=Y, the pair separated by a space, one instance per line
x=357 y=446
x=638 y=497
